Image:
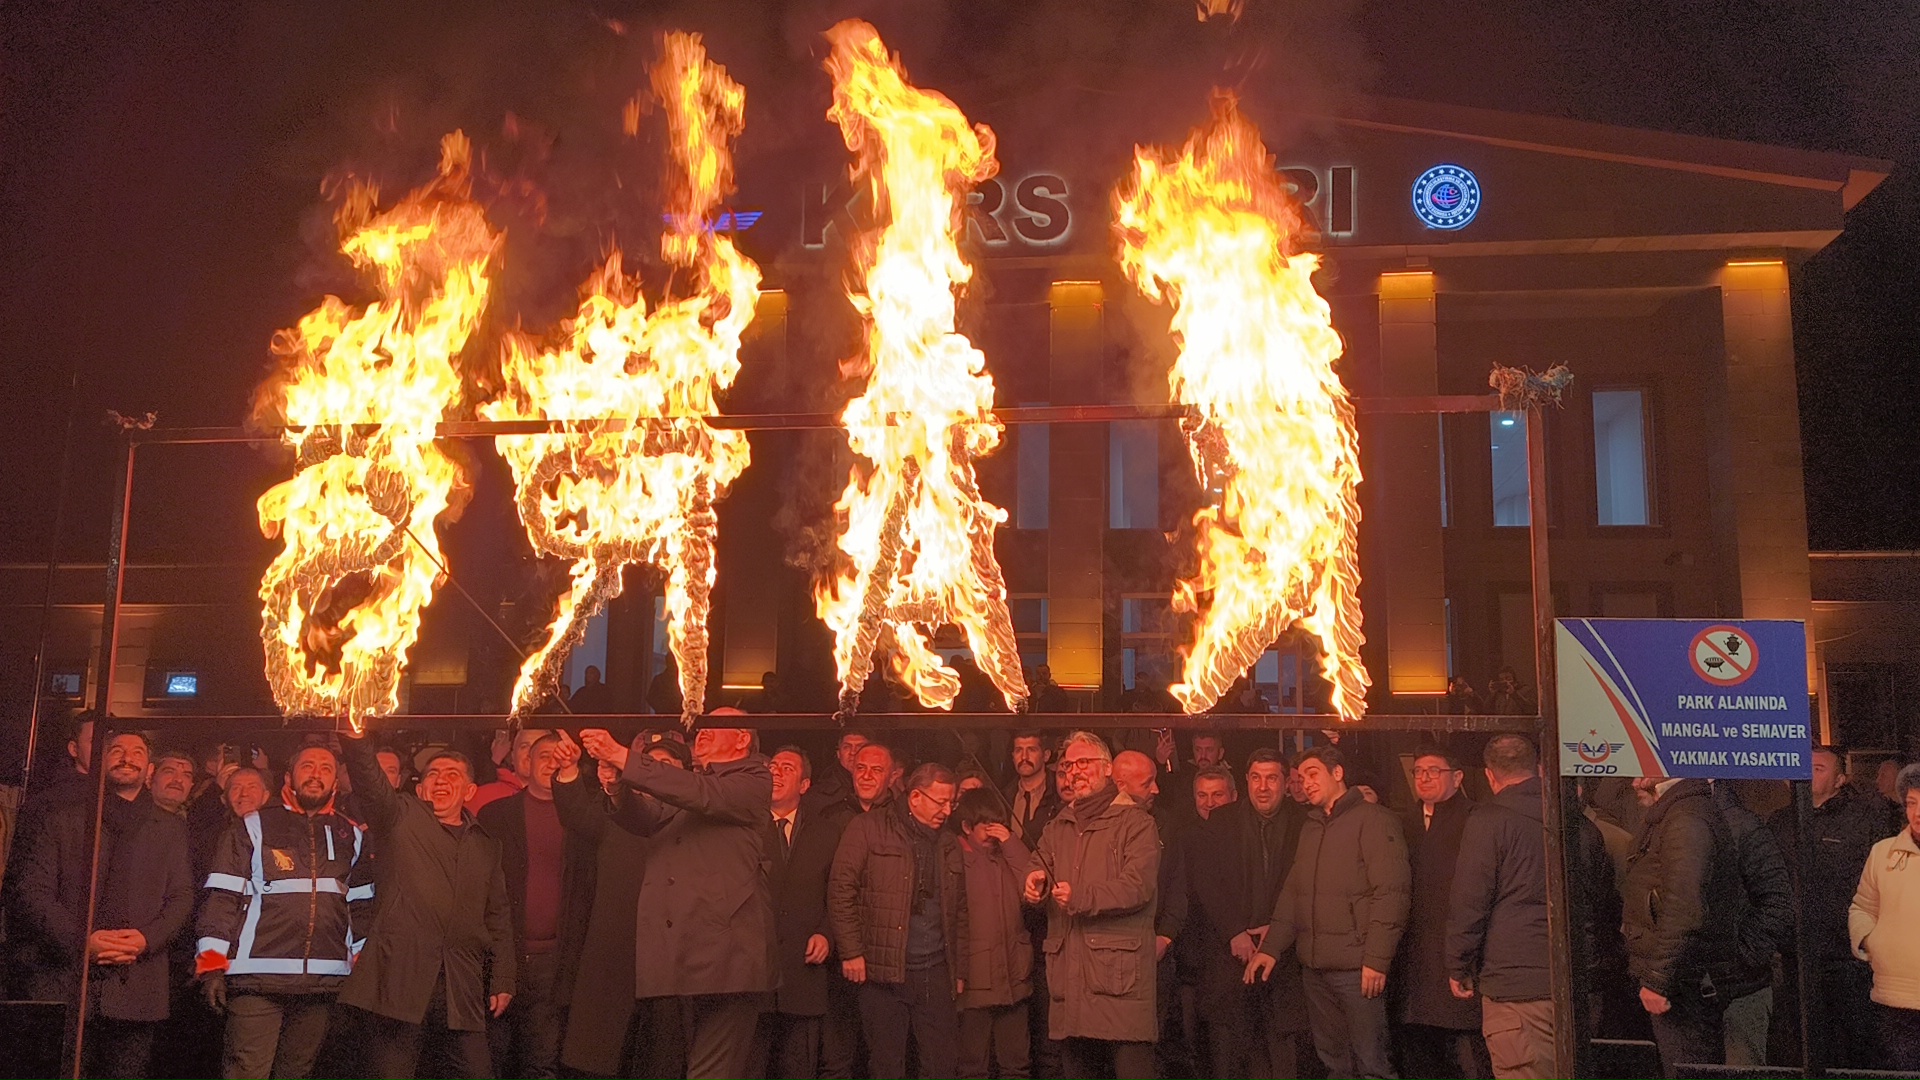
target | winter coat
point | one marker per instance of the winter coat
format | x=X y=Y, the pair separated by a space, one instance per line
x=601 y=993
x=145 y=884
x=506 y=821
x=1420 y=971
x=440 y=909
x=1683 y=902
x=999 y=951
x=1768 y=926
x=1344 y=904
x=284 y=890
x=800 y=906
x=1884 y=920
x=705 y=914
x=1100 y=960
x=1842 y=833
x=1497 y=912
x=870 y=893
x=1234 y=872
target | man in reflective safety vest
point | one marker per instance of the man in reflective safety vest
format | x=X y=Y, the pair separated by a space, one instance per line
x=277 y=929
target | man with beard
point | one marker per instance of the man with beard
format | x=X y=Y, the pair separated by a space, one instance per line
x=439 y=957
x=549 y=883
x=1097 y=871
x=1239 y=856
x=145 y=898
x=704 y=924
x=276 y=931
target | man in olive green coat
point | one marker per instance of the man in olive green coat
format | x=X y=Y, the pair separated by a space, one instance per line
x=1095 y=870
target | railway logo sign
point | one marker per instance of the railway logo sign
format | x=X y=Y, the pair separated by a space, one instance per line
x=1684 y=698
x=1446 y=197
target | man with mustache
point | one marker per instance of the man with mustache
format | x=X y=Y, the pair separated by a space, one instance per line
x=145 y=899
x=439 y=956
x=292 y=871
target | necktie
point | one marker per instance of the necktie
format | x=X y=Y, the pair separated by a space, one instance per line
x=786 y=834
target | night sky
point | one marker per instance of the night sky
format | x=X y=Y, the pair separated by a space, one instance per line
x=160 y=172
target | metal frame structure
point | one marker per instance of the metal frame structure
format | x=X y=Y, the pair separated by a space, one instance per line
x=1543 y=727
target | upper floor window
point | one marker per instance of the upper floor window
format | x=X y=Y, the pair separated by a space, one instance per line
x=1509 y=442
x=1620 y=457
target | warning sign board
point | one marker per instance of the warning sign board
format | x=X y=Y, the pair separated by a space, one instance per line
x=1679 y=697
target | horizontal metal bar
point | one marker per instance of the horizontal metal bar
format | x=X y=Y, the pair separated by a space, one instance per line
x=1025 y=414
x=1103 y=721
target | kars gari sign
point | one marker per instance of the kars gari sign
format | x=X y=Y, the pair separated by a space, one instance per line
x=1683 y=698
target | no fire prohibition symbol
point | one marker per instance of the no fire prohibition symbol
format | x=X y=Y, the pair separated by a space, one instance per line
x=1679 y=697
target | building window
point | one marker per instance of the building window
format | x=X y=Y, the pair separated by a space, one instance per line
x=1032 y=450
x=1146 y=641
x=1509 y=441
x=1446 y=488
x=1029 y=614
x=1620 y=457
x=1133 y=480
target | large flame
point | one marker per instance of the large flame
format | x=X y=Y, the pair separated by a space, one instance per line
x=918 y=534
x=1211 y=231
x=362 y=390
x=634 y=475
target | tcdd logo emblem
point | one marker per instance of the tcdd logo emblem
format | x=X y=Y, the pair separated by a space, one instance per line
x=1446 y=197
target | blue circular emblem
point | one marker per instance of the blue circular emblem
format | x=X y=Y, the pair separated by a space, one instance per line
x=1446 y=197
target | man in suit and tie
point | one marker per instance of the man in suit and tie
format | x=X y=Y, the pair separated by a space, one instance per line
x=802 y=841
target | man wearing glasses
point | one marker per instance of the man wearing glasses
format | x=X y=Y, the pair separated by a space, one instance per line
x=1096 y=871
x=1439 y=1033
x=897 y=905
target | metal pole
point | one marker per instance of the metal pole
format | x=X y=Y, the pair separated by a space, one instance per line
x=1802 y=855
x=102 y=699
x=46 y=603
x=1559 y=925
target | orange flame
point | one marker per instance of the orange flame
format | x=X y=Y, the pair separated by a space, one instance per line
x=363 y=390
x=918 y=533
x=1207 y=9
x=634 y=476
x=1211 y=232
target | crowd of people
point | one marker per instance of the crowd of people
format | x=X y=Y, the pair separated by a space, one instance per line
x=573 y=902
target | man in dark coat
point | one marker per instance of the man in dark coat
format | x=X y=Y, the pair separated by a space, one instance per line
x=704 y=927
x=1237 y=858
x=1439 y=1034
x=1097 y=871
x=145 y=898
x=1497 y=943
x=1842 y=830
x=439 y=957
x=804 y=840
x=897 y=903
x=608 y=1032
x=1766 y=931
x=1342 y=909
x=1033 y=801
x=550 y=885
x=1683 y=905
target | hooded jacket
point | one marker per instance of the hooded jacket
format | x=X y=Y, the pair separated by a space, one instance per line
x=1101 y=968
x=1344 y=904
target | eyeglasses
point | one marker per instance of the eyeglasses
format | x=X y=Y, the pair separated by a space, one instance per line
x=942 y=804
x=1087 y=762
x=1431 y=772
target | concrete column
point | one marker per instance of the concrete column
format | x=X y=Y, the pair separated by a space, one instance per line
x=1410 y=613
x=750 y=574
x=1076 y=498
x=1763 y=422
